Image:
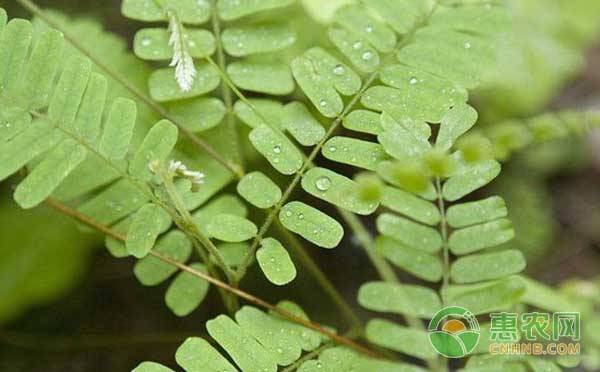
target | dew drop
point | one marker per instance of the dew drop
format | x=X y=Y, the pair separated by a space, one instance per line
x=277 y=149
x=301 y=216
x=467 y=45
x=339 y=70
x=367 y=55
x=357 y=45
x=323 y=103
x=413 y=80
x=191 y=43
x=332 y=149
x=288 y=214
x=146 y=41
x=323 y=183
x=369 y=28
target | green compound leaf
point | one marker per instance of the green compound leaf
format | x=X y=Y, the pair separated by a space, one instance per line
x=490 y=20
x=188 y=11
x=259 y=190
x=48 y=174
x=277 y=149
x=395 y=298
x=187 y=291
x=414 y=261
x=424 y=96
x=476 y=212
x=321 y=76
x=256 y=39
x=360 y=53
x=230 y=10
x=196 y=354
x=486 y=297
x=275 y=262
x=147 y=224
x=337 y=190
x=356 y=21
x=197 y=114
x=341 y=359
x=151 y=367
x=410 y=233
x=114 y=203
x=231 y=228
x=410 y=341
x=469 y=178
x=233 y=254
x=363 y=121
x=407 y=177
x=69 y=91
x=14 y=46
x=163 y=86
x=542 y=365
x=41 y=69
x=410 y=205
x=285 y=346
x=403 y=140
x=152 y=44
x=480 y=267
x=157 y=145
x=37 y=138
x=118 y=129
x=268 y=109
x=309 y=339
x=544 y=297
x=300 y=123
x=459 y=57
x=358 y=153
x=475 y=238
x=151 y=271
x=228 y=204
x=91 y=174
x=269 y=78
x=400 y=15
x=88 y=121
x=17 y=121
x=455 y=123
x=312 y=224
x=244 y=349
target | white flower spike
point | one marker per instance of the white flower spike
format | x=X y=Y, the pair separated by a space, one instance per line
x=185 y=71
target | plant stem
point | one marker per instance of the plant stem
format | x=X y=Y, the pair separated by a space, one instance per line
x=190 y=225
x=315 y=151
x=227 y=97
x=445 y=249
x=197 y=141
x=238 y=292
x=385 y=271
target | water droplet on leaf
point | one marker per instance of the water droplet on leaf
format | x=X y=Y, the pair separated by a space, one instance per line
x=339 y=70
x=323 y=183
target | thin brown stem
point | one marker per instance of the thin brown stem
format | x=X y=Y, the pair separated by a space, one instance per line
x=444 y=234
x=216 y=282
